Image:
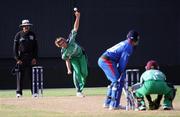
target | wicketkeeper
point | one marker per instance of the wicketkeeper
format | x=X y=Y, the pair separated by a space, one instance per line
x=153 y=81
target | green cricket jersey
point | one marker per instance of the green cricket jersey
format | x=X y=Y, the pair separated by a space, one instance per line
x=152 y=75
x=73 y=49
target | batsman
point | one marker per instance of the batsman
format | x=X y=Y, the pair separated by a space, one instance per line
x=74 y=55
x=153 y=81
x=113 y=62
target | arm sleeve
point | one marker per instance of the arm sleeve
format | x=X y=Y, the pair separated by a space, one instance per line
x=16 y=46
x=63 y=55
x=141 y=79
x=72 y=36
x=164 y=76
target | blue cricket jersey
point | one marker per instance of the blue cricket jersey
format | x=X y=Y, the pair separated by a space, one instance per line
x=120 y=53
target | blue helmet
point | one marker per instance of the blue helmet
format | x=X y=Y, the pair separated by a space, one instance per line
x=133 y=35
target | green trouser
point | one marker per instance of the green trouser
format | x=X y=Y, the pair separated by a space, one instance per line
x=156 y=87
x=80 y=72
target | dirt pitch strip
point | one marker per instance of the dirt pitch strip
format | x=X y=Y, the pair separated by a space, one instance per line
x=89 y=105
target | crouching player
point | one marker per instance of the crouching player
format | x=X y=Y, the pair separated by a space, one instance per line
x=152 y=81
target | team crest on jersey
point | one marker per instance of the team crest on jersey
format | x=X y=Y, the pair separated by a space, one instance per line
x=31 y=37
x=21 y=39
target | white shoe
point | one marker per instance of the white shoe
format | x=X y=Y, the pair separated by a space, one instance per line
x=117 y=108
x=35 y=95
x=113 y=108
x=167 y=108
x=18 y=95
x=141 y=108
x=105 y=106
x=79 y=94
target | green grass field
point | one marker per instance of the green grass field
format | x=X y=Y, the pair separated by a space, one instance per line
x=55 y=92
x=62 y=103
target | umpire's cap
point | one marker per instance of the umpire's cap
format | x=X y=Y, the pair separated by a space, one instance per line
x=152 y=64
x=25 y=22
x=133 y=35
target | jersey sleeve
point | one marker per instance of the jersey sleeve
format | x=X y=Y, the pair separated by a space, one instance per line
x=164 y=76
x=142 y=78
x=63 y=55
x=72 y=37
x=16 y=46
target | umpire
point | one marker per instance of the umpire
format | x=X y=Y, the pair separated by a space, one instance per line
x=25 y=53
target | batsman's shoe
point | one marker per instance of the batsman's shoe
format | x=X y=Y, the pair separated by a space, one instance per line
x=18 y=95
x=113 y=108
x=105 y=105
x=80 y=94
x=117 y=108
